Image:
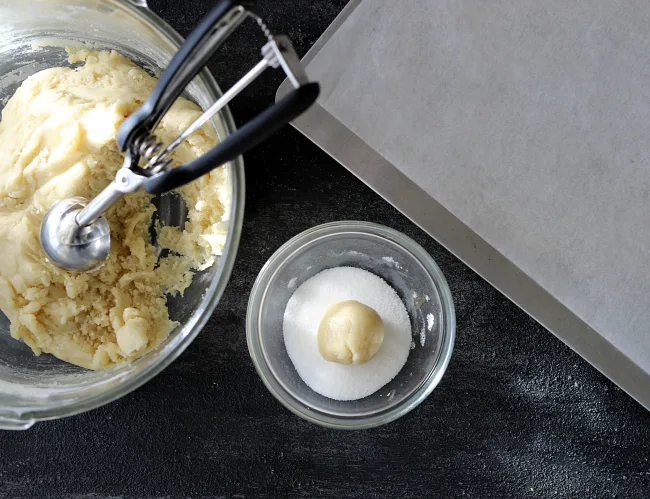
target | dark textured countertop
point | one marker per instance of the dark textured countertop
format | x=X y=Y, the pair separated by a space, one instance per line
x=517 y=414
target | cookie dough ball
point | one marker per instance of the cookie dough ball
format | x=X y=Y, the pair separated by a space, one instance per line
x=350 y=333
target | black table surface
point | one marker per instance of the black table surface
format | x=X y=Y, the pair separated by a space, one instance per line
x=518 y=414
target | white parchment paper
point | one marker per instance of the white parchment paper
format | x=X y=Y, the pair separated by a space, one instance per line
x=530 y=121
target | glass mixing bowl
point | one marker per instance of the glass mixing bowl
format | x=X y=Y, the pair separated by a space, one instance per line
x=33 y=36
x=403 y=264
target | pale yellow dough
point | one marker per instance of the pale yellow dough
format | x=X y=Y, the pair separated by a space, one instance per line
x=57 y=139
x=350 y=333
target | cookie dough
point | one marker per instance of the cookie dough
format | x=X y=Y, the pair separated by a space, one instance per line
x=57 y=140
x=350 y=333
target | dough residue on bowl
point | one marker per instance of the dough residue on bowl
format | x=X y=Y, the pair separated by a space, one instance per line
x=57 y=140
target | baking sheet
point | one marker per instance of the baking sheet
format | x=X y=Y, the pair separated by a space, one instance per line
x=521 y=125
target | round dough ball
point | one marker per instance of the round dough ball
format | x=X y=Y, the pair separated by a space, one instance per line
x=350 y=333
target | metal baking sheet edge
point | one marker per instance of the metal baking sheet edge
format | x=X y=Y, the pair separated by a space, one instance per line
x=375 y=171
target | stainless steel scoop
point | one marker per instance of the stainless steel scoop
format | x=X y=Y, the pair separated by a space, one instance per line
x=74 y=234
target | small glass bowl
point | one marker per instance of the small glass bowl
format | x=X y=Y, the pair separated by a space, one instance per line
x=403 y=264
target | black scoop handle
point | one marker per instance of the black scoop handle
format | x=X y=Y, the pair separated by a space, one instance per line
x=190 y=59
x=248 y=136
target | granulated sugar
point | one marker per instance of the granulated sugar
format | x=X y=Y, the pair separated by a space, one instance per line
x=304 y=313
